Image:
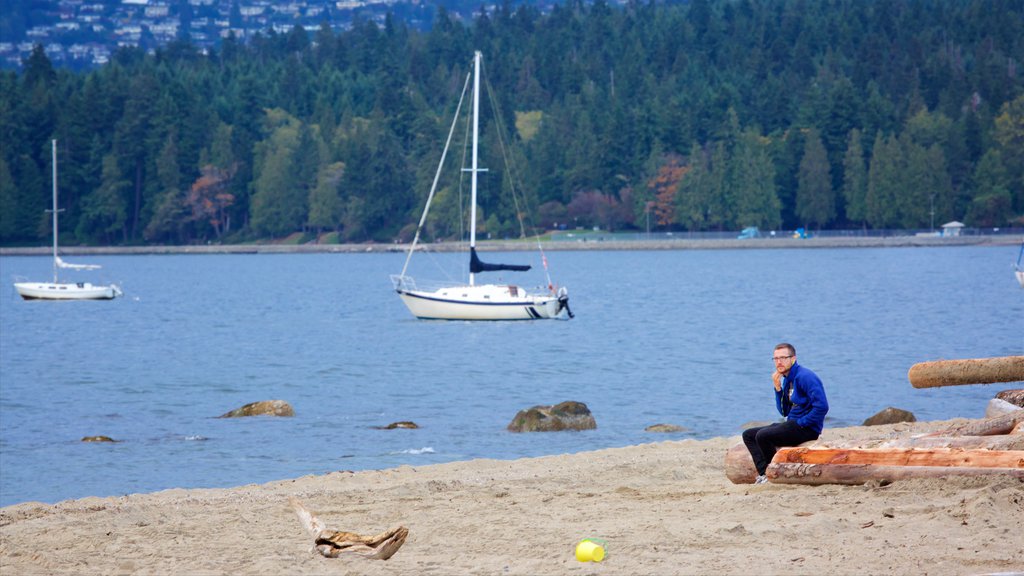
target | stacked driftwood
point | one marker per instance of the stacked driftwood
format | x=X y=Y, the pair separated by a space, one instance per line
x=985 y=447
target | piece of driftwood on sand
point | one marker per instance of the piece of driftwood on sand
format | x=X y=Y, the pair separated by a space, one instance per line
x=968 y=371
x=335 y=543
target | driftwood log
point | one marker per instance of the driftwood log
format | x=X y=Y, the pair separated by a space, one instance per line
x=335 y=543
x=990 y=446
x=970 y=371
x=814 y=474
x=1005 y=424
x=739 y=466
x=936 y=457
x=857 y=466
x=997 y=442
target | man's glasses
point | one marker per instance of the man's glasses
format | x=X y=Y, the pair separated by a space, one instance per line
x=777 y=358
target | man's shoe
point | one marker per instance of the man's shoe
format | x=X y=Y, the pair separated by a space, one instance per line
x=762 y=479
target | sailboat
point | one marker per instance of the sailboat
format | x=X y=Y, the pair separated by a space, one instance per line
x=475 y=301
x=1018 y=268
x=58 y=290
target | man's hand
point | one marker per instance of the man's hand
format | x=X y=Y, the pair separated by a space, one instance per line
x=777 y=380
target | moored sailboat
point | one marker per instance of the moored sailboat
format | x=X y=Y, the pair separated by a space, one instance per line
x=1018 y=268
x=472 y=301
x=58 y=290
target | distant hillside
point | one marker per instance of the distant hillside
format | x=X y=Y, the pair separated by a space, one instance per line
x=706 y=116
x=85 y=33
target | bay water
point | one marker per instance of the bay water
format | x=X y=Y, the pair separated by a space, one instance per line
x=670 y=336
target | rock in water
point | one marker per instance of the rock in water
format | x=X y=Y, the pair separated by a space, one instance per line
x=890 y=416
x=568 y=415
x=664 y=428
x=98 y=439
x=263 y=407
x=396 y=425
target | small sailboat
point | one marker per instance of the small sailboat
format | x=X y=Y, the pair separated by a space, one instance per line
x=1018 y=268
x=58 y=290
x=472 y=301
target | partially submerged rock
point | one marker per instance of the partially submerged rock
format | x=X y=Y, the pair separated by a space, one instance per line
x=262 y=408
x=569 y=415
x=890 y=416
x=664 y=428
x=98 y=439
x=407 y=425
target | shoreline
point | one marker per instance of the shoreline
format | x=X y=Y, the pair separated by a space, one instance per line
x=663 y=508
x=517 y=246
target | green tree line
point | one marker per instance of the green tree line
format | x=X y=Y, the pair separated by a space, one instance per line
x=711 y=115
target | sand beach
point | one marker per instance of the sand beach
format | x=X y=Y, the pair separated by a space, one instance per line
x=661 y=508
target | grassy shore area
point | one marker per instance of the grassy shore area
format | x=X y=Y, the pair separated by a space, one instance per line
x=596 y=243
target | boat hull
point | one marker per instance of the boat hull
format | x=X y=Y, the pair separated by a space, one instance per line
x=485 y=302
x=65 y=291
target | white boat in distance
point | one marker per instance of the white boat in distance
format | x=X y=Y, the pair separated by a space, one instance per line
x=1018 y=269
x=474 y=301
x=58 y=290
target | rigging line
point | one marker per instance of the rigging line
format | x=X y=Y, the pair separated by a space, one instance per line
x=511 y=178
x=437 y=176
x=506 y=157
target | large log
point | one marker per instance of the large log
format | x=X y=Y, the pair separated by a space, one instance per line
x=970 y=371
x=997 y=442
x=932 y=440
x=939 y=457
x=814 y=474
x=1004 y=424
x=739 y=466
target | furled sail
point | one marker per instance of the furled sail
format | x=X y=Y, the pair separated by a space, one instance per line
x=476 y=265
x=66 y=265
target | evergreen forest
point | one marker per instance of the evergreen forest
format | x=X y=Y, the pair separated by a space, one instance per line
x=702 y=116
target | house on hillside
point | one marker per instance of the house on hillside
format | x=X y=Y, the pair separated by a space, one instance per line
x=953 y=228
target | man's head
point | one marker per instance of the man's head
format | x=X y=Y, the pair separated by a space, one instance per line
x=784 y=356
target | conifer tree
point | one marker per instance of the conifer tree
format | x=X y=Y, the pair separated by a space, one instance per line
x=855 y=180
x=815 y=198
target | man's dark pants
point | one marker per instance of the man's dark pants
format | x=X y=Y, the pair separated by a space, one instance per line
x=764 y=441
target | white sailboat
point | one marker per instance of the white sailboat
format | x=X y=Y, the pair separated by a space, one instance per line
x=1018 y=268
x=474 y=301
x=58 y=290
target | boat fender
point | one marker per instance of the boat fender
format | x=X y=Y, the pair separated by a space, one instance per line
x=563 y=301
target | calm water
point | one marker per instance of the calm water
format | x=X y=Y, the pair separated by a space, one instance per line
x=681 y=337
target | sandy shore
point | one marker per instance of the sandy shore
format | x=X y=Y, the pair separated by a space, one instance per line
x=662 y=508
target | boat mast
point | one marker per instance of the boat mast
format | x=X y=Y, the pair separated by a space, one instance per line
x=54 y=210
x=473 y=170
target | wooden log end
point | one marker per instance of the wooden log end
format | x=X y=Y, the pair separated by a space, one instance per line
x=739 y=466
x=969 y=371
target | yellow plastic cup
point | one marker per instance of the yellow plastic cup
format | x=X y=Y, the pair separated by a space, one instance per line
x=589 y=551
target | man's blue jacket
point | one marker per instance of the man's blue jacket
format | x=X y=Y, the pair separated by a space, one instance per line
x=802 y=398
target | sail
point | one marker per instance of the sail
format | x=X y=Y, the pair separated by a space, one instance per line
x=476 y=265
x=66 y=265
